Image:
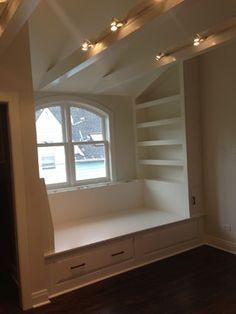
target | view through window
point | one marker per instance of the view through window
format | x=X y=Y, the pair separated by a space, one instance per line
x=72 y=145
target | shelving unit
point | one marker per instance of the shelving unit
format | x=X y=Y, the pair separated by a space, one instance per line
x=161 y=140
x=168 y=136
x=160 y=132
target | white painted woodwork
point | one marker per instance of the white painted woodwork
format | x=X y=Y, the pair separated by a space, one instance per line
x=159 y=123
x=47 y=223
x=92 y=260
x=80 y=203
x=154 y=162
x=152 y=241
x=105 y=227
x=159 y=119
x=167 y=196
x=16 y=89
x=84 y=217
x=192 y=100
x=159 y=143
x=83 y=266
x=157 y=102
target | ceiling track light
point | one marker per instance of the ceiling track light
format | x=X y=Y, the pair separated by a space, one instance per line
x=116 y=24
x=86 y=45
x=198 y=39
x=160 y=56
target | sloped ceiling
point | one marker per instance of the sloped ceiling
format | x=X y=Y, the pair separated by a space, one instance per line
x=3 y=5
x=58 y=27
x=127 y=67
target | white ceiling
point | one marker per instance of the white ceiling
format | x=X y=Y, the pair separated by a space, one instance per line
x=127 y=67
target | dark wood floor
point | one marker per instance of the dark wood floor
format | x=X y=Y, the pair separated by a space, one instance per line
x=199 y=281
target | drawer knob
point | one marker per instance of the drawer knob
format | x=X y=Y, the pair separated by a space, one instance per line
x=118 y=253
x=77 y=266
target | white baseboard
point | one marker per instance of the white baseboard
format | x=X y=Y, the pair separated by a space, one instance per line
x=40 y=298
x=221 y=244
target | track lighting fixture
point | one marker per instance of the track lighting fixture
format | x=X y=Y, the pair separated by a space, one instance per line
x=197 y=40
x=86 y=45
x=116 y=24
x=160 y=56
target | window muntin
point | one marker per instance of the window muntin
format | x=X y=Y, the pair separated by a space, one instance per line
x=73 y=147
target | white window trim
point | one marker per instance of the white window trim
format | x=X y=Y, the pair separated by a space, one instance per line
x=96 y=108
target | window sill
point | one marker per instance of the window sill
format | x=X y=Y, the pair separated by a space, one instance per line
x=85 y=186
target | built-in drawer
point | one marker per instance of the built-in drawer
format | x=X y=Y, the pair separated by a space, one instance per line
x=92 y=259
x=162 y=238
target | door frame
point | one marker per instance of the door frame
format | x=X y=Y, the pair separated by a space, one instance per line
x=19 y=196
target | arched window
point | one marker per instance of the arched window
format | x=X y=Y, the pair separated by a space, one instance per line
x=73 y=145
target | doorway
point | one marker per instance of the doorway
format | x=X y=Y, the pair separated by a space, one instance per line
x=8 y=261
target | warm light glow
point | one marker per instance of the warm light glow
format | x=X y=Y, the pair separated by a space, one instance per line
x=160 y=56
x=116 y=24
x=197 y=40
x=86 y=45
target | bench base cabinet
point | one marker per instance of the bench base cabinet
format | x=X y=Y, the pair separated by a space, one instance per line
x=71 y=270
x=91 y=260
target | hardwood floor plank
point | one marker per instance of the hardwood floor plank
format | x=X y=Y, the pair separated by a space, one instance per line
x=200 y=281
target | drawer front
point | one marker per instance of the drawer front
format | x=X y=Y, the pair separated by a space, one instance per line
x=92 y=260
x=153 y=241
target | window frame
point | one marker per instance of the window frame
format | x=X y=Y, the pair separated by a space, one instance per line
x=65 y=104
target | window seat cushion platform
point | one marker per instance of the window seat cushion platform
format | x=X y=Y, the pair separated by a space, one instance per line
x=93 y=230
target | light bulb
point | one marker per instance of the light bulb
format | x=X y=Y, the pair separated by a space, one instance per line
x=86 y=45
x=115 y=24
x=197 y=40
x=160 y=56
x=114 y=28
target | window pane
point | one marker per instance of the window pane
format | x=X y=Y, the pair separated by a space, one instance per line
x=49 y=125
x=52 y=164
x=85 y=125
x=89 y=161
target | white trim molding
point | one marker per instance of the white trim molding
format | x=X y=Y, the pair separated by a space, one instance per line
x=40 y=298
x=12 y=101
x=220 y=244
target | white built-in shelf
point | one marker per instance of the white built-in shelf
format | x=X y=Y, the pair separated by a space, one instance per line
x=160 y=162
x=159 y=143
x=159 y=101
x=159 y=123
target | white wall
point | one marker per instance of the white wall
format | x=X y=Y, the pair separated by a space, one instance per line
x=16 y=78
x=218 y=98
x=121 y=108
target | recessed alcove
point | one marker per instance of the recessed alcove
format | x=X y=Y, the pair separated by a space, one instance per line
x=84 y=217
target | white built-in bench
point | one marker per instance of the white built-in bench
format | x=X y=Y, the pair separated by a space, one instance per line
x=87 y=216
x=91 y=233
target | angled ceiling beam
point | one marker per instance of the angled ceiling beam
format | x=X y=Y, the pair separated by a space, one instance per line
x=79 y=60
x=14 y=16
x=127 y=74
x=143 y=67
